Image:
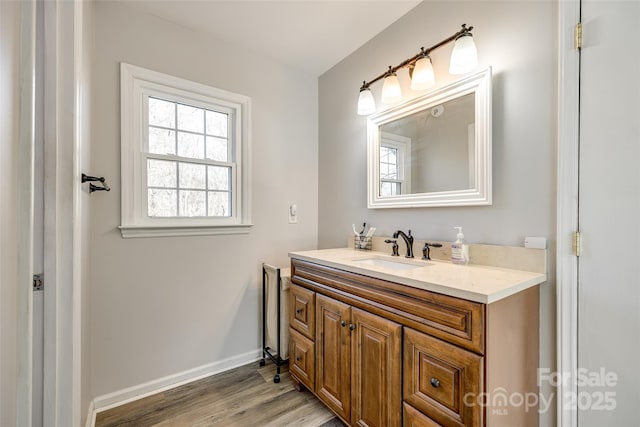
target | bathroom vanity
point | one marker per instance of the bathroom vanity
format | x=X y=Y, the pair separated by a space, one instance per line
x=390 y=341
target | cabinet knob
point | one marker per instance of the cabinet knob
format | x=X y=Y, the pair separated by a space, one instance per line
x=352 y=326
x=298 y=358
x=343 y=323
x=298 y=310
x=435 y=383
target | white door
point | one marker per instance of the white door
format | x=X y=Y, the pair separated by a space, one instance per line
x=38 y=223
x=609 y=215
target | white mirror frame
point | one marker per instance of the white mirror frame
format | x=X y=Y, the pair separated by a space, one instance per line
x=479 y=84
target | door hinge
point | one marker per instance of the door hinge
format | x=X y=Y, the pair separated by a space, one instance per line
x=577 y=32
x=577 y=244
x=38 y=282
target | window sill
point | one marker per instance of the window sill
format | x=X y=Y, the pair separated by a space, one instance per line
x=187 y=230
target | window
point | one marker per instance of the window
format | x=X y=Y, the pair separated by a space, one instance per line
x=184 y=157
x=395 y=165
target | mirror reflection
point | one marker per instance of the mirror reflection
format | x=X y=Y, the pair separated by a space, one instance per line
x=434 y=150
x=429 y=151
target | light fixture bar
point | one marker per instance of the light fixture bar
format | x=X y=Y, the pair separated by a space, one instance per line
x=411 y=61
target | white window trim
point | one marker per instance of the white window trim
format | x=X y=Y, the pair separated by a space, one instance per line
x=136 y=83
x=403 y=145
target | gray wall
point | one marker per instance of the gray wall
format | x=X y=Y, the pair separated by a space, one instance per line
x=518 y=39
x=160 y=306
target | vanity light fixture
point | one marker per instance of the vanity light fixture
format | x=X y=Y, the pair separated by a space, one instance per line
x=464 y=58
x=423 y=76
x=391 y=92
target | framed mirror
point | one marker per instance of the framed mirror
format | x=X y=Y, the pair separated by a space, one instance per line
x=434 y=150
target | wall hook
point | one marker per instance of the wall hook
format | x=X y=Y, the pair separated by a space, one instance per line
x=92 y=187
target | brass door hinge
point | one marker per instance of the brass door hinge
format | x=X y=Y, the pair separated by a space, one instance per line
x=577 y=244
x=38 y=282
x=577 y=32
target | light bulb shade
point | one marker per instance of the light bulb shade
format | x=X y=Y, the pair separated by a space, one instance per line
x=464 y=57
x=423 y=76
x=366 y=103
x=391 y=92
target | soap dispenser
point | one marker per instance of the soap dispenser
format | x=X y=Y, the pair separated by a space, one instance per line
x=459 y=250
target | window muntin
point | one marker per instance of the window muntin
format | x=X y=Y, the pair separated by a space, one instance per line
x=185 y=157
x=188 y=160
x=390 y=183
x=394 y=163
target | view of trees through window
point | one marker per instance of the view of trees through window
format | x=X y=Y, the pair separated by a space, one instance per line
x=189 y=169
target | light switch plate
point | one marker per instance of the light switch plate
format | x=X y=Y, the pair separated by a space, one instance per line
x=293 y=213
x=535 y=242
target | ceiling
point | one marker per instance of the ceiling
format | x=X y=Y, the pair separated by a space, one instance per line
x=309 y=35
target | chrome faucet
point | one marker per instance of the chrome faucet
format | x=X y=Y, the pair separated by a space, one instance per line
x=408 y=241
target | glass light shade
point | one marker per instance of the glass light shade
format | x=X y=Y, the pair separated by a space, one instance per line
x=366 y=103
x=423 y=76
x=391 y=92
x=464 y=57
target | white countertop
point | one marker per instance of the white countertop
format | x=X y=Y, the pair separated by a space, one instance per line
x=478 y=283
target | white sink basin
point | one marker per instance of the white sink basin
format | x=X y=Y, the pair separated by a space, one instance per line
x=387 y=263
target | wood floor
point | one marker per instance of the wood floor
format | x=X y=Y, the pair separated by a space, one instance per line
x=242 y=397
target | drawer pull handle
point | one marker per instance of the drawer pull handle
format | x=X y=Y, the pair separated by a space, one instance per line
x=298 y=310
x=343 y=323
x=435 y=383
x=352 y=326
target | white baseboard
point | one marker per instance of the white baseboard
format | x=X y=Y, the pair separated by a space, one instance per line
x=91 y=415
x=117 y=398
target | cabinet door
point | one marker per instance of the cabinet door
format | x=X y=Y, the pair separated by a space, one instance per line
x=302 y=358
x=333 y=355
x=376 y=367
x=301 y=310
x=441 y=380
x=414 y=418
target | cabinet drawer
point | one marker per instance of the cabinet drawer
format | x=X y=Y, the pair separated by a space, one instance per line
x=302 y=310
x=302 y=358
x=439 y=378
x=414 y=418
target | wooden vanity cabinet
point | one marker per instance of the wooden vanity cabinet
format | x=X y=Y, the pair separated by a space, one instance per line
x=302 y=313
x=333 y=351
x=386 y=354
x=358 y=360
x=413 y=418
x=437 y=378
x=302 y=350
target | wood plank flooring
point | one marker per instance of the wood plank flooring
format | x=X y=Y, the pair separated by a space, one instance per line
x=242 y=397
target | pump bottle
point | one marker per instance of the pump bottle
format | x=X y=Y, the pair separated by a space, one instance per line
x=459 y=249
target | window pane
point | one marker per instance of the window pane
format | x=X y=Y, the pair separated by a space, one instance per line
x=192 y=203
x=161 y=173
x=392 y=156
x=218 y=178
x=192 y=175
x=390 y=188
x=217 y=149
x=162 y=202
x=216 y=123
x=384 y=155
x=162 y=113
x=190 y=118
x=385 y=188
x=190 y=145
x=219 y=203
x=393 y=172
x=162 y=141
x=384 y=171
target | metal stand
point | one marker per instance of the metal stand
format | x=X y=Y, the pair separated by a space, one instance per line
x=267 y=351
